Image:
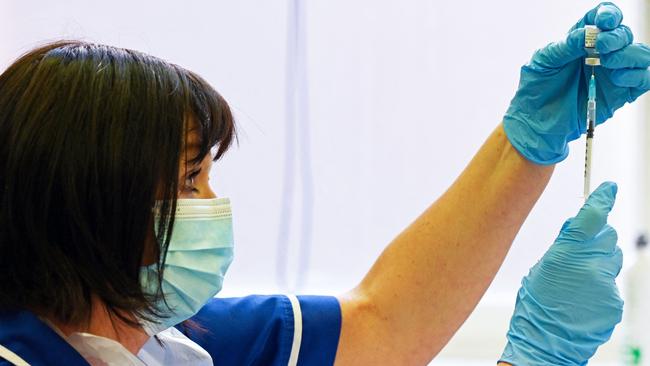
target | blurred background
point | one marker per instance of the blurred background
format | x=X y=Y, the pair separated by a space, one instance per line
x=353 y=117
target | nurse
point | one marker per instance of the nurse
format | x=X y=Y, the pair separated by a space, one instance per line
x=113 y=244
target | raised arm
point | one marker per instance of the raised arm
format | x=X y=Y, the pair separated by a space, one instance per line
x=430 y=278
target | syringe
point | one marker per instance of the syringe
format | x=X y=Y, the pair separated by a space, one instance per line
x=591 y=126
x=592 y=59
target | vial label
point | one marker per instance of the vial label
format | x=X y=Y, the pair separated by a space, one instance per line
x=591 y=32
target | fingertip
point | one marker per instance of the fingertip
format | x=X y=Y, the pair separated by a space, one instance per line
x=558 y=54
x=604 y=195
x=576 y=39
x=608 y=16
x=614 y=40
x=613 y=187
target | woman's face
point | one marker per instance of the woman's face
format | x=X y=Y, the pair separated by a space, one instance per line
x=193 y=182
x=194 y=179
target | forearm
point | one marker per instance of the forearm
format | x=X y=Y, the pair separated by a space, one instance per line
x=430 y=278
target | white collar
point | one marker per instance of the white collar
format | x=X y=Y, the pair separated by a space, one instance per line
x=176 y=349
x=102 y=351
x=171 y=348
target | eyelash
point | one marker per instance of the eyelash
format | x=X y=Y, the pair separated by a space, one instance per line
x=190 y=178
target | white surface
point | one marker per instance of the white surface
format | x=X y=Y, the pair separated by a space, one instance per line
x=636 y=318
x=402 y=94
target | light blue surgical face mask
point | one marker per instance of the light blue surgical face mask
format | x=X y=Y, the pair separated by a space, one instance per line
x=199 y=253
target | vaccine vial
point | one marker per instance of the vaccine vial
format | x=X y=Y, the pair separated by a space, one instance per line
x=591 y=33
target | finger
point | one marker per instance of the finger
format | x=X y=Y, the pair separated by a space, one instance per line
x=631 y=78
x=558 y=54
x=592 y=217
x=605 y=16
x=604 y=242
x=611 y=264
x=614 y=40
x=633 y=56
x=608 y=16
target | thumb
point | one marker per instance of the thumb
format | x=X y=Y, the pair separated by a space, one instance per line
x=592 y=217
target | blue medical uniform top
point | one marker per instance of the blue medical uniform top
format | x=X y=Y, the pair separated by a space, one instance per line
x=252 y=330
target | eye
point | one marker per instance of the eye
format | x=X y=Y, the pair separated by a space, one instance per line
x=189 y=180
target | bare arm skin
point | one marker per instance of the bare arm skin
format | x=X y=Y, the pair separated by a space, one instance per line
x=429 y=279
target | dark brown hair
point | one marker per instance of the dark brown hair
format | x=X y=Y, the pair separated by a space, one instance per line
x=89 y=135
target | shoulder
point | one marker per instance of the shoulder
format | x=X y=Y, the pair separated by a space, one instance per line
x=274 y=329
x=24 y=337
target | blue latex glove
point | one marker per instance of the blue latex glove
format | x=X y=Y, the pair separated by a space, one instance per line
x=568 y=304
x=549 y=108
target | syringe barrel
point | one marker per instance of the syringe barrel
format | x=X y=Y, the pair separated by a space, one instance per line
x=591 y=111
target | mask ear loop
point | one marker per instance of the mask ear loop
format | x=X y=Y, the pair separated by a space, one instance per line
x=185 y=151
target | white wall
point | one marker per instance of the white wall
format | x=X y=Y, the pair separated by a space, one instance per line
x=402 y=93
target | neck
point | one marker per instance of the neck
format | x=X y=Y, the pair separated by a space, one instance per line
x=102 y=324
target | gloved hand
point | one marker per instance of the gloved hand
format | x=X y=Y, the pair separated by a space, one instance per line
x=568 y=304
x=549 y=108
